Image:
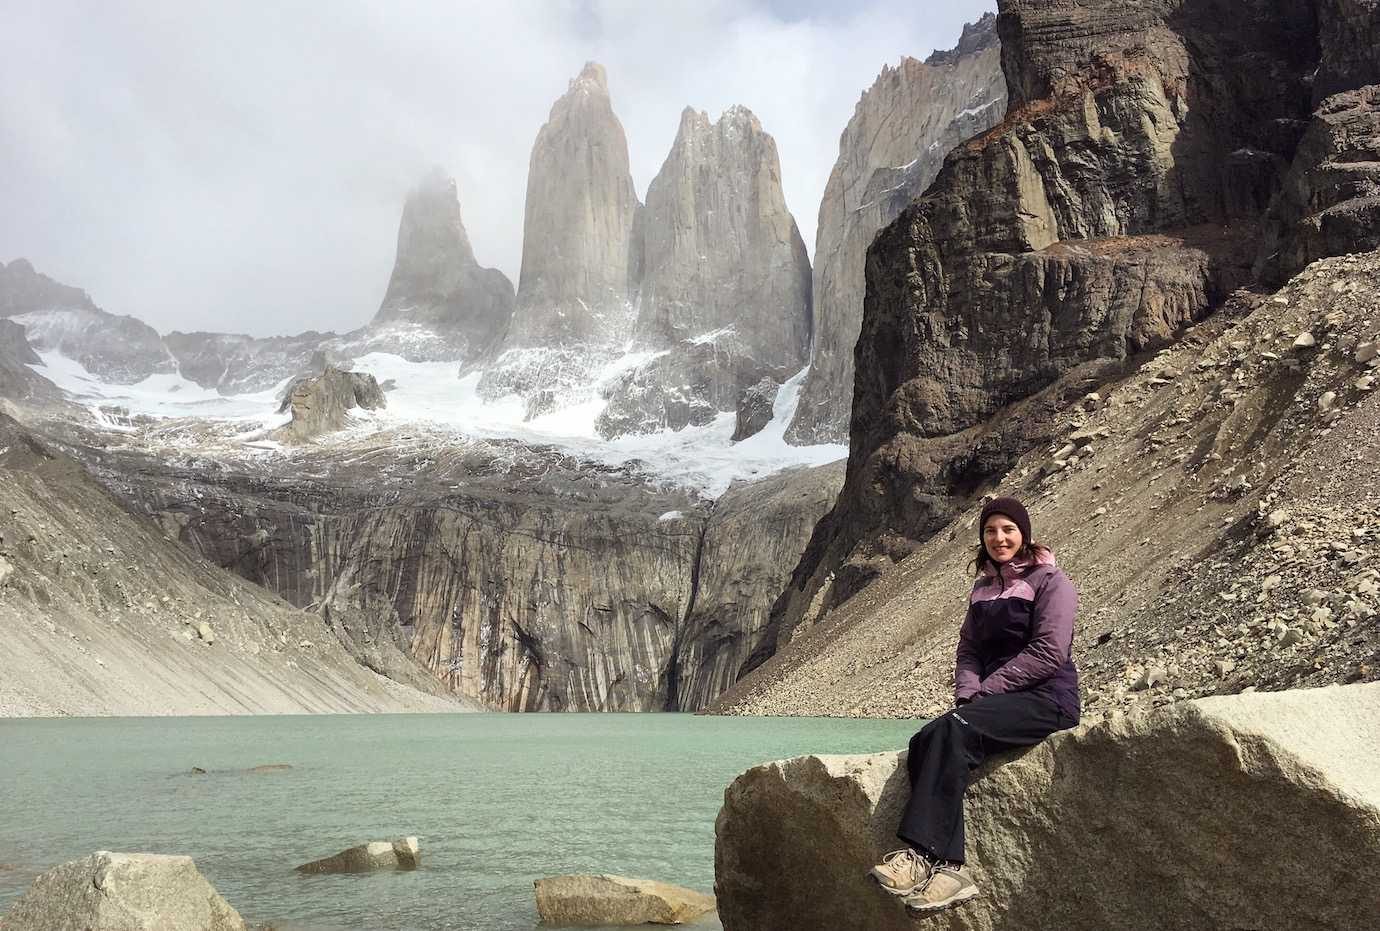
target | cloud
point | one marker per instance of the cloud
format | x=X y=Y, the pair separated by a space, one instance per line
x=241 y=167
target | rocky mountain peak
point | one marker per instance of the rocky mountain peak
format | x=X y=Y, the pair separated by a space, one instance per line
x=580 y=208
x=976 y=37
x=591 y=79
x=437 y=282
x=724 y=279
x=912 y=116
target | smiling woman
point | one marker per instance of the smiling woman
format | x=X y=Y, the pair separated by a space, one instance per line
x=1015 y=684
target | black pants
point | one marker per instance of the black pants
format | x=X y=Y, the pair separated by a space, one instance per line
x=945 y=752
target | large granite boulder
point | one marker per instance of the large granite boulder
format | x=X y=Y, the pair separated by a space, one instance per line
x=322 y=404
x=890 y=151
x=755 y=409
x=1257 y=811
x=122 y=892
x=616 y=900
x=401 y=854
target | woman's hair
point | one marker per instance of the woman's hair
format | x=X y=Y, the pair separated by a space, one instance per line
x=1029 y=550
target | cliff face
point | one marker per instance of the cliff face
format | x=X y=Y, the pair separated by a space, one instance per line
x=59 y=318
x=519 y=578
x=573 y=309
x=101 y=614
x=1119 y=199
x=436 y=281
x=722 y=274
x=889 y=153
x=18 y=382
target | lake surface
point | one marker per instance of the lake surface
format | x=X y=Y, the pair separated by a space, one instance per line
x=497 y=800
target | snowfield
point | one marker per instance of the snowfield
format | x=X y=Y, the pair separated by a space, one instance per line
x=430 y=397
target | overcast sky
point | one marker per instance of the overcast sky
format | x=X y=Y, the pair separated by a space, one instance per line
x=241 y=166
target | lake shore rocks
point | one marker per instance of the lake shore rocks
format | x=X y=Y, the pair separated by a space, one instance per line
x=401 y=854
x=122 y=892
x=1202 y=814
x=617 y=900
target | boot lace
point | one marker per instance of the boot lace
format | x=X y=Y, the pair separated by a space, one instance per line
x=910 y=861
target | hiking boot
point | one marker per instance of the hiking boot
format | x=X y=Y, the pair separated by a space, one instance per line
x=902 y=872
x=949 y=884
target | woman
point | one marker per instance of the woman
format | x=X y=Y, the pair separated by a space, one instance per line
x=1014 y=685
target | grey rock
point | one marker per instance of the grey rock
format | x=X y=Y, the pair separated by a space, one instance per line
x=122 y=892
x=616 y=900
x=1298 y=765
x=322 y=404
x=437 y=283
x=204 y=631
x=755 y=409
x=573 y=290
x=1329 y=203
x=401 y=854
x=63 y=319
x=722 y=275
x=892 y=148
x=6 y=570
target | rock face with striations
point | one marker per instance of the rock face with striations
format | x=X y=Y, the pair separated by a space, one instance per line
x=891 y=150
x=723 y=279
x=522 y=578
x=573 y=312
x=63 y=319
x=1187 y=818
x=1330 y=201
x=437 y=284
x=1118 y=200
x=122 y=892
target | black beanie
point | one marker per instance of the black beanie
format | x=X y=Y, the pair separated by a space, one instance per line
x=1012 y=509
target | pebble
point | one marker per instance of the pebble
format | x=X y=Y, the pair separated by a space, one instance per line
x=1305 y=340
x=1365 y=352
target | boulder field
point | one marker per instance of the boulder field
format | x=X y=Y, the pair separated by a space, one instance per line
x=1257 y=811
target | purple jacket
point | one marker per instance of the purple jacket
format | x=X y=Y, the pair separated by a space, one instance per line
x=1018 y=635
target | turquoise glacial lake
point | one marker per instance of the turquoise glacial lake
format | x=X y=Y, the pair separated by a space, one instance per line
x=497 y=800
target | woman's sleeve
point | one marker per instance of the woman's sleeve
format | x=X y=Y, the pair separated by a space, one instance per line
x=968 y=668
x=1051 y=641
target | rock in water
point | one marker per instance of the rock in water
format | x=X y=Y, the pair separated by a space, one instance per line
x=122 y=892
x=755 y=409
x=321 y=404
x=722 y=275
x=437 y=283
x=617 y=900
x=401 y=854
x=891 y=150
x=573 y=313
x=1207 y=814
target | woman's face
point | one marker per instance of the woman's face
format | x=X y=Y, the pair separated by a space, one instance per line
x=1002 y=538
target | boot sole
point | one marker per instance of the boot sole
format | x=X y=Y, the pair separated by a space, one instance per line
x=872 y=875
x=962 y=895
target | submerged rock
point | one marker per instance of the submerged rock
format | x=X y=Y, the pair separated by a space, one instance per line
x=122 y=892
x=1197 y=816
x=617 y=900
x=401 y=854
